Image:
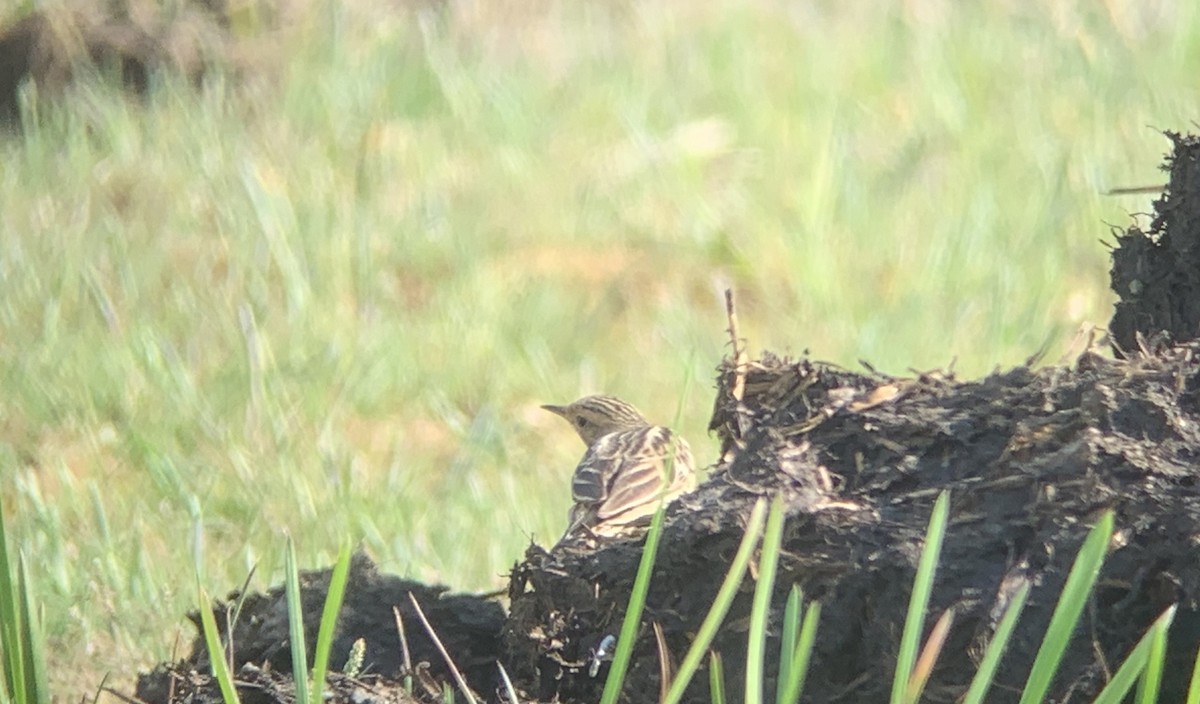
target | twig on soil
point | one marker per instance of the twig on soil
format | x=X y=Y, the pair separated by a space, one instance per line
x=1084 y=341
x=739 y=351
x=100 y=688
x=738 y=388
x=458 y=677
x=404 y=653
x=1133 y=190
x=508 y=685
x=666 y=676
x=232 y=613
x=119 y=695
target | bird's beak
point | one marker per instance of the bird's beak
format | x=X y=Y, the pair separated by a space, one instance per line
x=556 y=410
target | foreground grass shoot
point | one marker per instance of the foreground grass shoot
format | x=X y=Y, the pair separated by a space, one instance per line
x=995 y=648
x=312 y=691
x=21 y=643
x=1194 y=686
x=1066 y=613
x=788 y=638
x=761 y=609
x=329 y=616
x=31 y=635
x=795 y=652
x=716 y=679
x=1151 y=679
x=716 y=613
x=902 y=691
x=216 y=651
x=633 y=612
x=1144 y=662
x=291 y=576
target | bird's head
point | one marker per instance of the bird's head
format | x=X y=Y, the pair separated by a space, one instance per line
x=593 y=417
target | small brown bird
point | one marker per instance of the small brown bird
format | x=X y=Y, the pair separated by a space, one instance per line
x=629 y=465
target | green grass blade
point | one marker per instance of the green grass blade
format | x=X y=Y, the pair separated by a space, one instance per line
x=1066 y=613
x=721 y=603
x=37 y=689
x=995 y=649
x=798 y=670
x=216 y=653
x=919 y=602
x=1135 y=664
x=787 y=640
x=761 y=608
x=716 y=679
x=329 y=616
x=633 y=612
x=10 y=625
x=1151 y=678
x=291 y=576
x=1193 y=696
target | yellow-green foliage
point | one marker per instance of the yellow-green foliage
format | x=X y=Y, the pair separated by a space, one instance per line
x=328 y=297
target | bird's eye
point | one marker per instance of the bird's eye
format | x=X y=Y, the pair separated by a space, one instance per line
x=583 y=422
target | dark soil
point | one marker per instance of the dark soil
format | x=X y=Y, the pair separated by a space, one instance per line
x=1031 y=458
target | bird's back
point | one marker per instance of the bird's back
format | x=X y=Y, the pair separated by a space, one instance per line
x=621 y=477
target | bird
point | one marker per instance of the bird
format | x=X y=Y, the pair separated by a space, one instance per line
x=628 y=466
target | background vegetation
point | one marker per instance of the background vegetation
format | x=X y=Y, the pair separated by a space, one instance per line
x=327 y=299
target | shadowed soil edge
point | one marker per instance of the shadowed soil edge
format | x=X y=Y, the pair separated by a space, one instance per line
x=1031 y=458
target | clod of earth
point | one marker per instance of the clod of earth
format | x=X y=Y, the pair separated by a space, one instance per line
x=52 y=46
x=1031 y=457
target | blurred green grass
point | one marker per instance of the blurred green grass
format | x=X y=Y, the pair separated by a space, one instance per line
x=327 y=301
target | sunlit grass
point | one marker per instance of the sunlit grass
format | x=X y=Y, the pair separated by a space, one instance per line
x=328 y=303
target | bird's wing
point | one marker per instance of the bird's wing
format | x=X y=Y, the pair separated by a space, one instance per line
x=625 y=471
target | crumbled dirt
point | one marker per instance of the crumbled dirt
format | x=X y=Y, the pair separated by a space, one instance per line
x=1030 y=456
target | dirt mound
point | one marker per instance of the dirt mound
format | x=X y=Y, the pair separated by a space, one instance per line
x=52 y=46
x=1156 y=272
x=468 y=626
x=1031 y=457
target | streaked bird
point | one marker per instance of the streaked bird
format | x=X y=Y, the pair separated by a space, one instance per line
x=628 y=466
